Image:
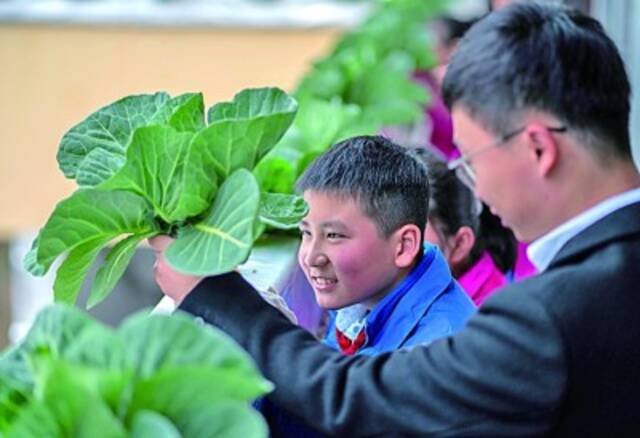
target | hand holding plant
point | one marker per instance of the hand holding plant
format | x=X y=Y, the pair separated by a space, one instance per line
x=177 y=286
x=173 y=284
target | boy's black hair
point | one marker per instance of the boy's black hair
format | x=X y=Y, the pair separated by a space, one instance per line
x=386 y=180
x=452 y=205
x=545 y=57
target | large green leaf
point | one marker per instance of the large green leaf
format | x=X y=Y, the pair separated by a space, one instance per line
x=94 y=150
x=109 y=128
x=71 y=273
x=254 y=103
x=154 y=342
x=282 y=211
x=199 y=182
x=223 y=239
x=154 y=170
x=241 y=132
x=90 y=215
x=115 y=264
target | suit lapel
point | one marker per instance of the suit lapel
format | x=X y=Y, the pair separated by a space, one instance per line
x=615 y=226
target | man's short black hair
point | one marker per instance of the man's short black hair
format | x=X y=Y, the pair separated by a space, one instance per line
x=386 y=180
x=545 y=57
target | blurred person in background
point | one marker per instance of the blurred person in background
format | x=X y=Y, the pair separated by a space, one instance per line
x=437 y=120
x=478 y=251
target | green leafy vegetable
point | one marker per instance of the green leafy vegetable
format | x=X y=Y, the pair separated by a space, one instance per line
x=223 y=239
x=363 y=85
x=156 y=375
x=154 y=167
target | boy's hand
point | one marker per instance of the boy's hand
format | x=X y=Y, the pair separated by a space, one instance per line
x=172 y=283
x=177 y=286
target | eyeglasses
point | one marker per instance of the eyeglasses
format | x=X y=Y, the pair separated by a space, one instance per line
x=462 y=166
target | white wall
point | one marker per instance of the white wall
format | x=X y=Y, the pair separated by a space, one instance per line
x=620 y=18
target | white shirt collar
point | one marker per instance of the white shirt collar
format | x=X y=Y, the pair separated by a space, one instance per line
x=542 y=251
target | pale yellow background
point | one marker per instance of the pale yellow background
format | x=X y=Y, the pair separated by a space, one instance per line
x=51 y=77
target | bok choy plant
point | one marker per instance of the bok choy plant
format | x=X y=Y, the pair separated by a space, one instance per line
x=155 y=376
x=150 y=164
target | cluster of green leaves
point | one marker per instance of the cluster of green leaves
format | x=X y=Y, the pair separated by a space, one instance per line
x=361 y=86
x=148 y=165
x=155 y=376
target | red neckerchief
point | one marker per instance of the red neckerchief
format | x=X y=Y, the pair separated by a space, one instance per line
x=349 y=347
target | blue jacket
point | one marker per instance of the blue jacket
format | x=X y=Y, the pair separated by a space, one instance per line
x=427 y=305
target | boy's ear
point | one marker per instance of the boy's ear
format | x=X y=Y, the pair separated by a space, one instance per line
x=409 y=244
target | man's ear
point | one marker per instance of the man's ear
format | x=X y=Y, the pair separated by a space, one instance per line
x=460 y=246
x=543 y=147
x=408 y=246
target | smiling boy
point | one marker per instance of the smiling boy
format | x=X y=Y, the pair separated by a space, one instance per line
x=362 y=250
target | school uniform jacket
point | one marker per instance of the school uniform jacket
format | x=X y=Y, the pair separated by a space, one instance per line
x=428 y=304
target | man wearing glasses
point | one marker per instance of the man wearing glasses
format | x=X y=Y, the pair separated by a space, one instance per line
x=540 y=105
